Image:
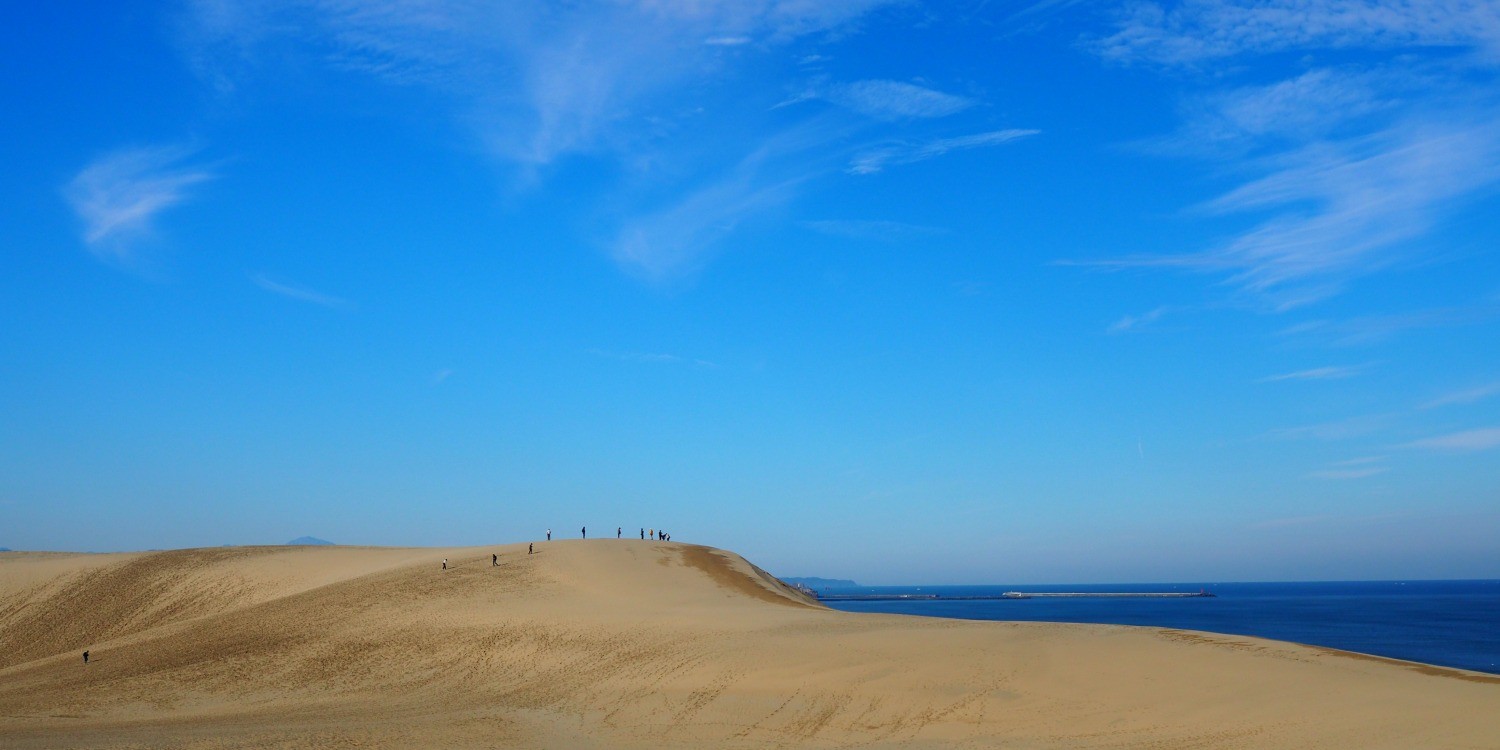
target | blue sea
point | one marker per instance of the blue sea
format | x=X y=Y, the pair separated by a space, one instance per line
x=1448 y=623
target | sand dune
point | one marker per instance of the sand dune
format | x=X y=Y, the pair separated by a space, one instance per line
x=632 y=644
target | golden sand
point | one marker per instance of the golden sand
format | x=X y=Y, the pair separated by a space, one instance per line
x=633 y=644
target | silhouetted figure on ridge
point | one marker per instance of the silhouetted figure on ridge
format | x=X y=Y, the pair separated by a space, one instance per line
x=585 y=532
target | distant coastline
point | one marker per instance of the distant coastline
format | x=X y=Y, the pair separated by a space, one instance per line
x=814 y=582
x=303 y=541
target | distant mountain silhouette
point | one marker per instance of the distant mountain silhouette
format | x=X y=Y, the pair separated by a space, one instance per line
x=305 y=540
x=814 y=582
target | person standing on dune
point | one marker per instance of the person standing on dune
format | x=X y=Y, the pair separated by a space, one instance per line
x=585 y=532
x=643 y=535
x=617 y=532
x=549 y=535
x=85 y=657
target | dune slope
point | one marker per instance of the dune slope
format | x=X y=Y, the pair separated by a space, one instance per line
x=637 y=644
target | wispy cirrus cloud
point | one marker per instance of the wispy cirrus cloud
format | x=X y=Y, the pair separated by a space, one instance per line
x=877 y=159
x=678 y=238
x=1331 y=372
x=1354 y=468
x=1342 y=210
x=1465 y=396
x=1196 y=31
x=1039 y=8
x=1461 y=442
x=1363 y=472
x=1350 y=167
x=889 y=100
x=1370 y=329
x=629 y=82
x=1130 y=323
x=536 y=80
x=1343 y=429
x=119 y=196
x=1314 y=104
x=299 y=293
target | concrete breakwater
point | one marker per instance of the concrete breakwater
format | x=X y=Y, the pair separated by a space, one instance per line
x=1110 y=595
x=1015 y=595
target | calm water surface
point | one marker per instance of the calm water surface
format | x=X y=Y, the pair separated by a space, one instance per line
x=1450 y=623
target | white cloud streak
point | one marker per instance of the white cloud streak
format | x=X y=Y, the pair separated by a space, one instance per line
x=1356 y=164
x=1196 y=31
x=678 y=239
x=1343 y=429
x=537 y=80
x=119 y=196
x=1371 y=329
x=876 y=160
x=1318 y=373
x=678 y=235
x=897 y=100
x=1359 y=473
x=1466 y=396
x=1343 y=210
x=1130 y=323
x=1461 y=442
x=1314 y=104
x=301 y=294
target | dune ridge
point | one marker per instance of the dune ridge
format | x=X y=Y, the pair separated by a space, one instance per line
x=625 y=643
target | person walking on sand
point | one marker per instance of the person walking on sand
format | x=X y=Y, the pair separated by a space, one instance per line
x=445 y=563
x=651 y=534
x=85 y=657
x=530 y=547
x=494 y=560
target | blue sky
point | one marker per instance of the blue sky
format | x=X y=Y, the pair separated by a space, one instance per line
x=968 y=292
